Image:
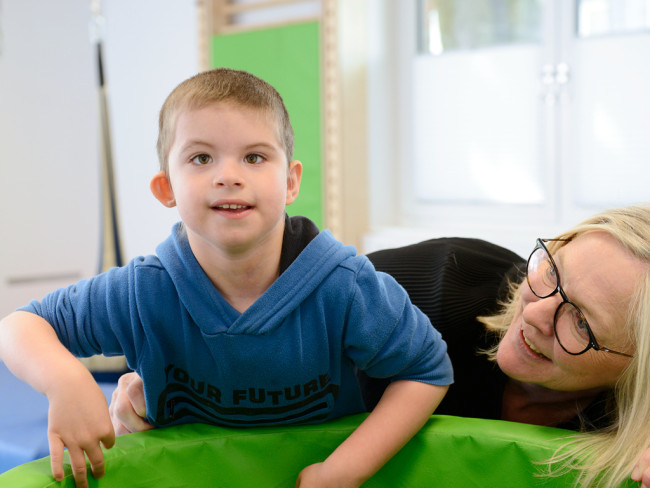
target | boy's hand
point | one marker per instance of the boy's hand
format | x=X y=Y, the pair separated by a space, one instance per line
x=79 y=420
x=402 y=410
x=78 y=416
x=317 y=476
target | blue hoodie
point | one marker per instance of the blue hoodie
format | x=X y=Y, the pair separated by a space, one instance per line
x=290 y=357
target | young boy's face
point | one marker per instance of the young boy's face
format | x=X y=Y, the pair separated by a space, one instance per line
x=229 y=177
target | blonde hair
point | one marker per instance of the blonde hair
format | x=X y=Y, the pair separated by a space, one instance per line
x=221 y=85
x=606 y=457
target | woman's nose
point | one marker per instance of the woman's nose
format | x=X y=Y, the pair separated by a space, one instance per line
x=540 y=312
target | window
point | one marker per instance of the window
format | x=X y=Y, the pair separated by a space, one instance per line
x=449 y=25
x=518 y=114
x=610 y=17
x=475 y=102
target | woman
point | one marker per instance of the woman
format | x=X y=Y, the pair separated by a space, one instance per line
x=560 y=340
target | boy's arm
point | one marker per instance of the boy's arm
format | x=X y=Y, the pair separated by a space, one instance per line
x=78 y=415
x=402 y=411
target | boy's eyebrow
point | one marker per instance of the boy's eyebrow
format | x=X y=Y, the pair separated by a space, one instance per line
x=262 y=144
x=194 y=142
x=254 y=145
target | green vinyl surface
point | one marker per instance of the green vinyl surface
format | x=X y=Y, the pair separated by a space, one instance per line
x=447 y=452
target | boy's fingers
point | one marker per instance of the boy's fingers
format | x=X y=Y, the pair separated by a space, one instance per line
x=96 y=458
x=56 y=457
x=78 y=464
x=108 y=440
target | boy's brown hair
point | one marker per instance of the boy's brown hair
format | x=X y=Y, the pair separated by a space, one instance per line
x=221 y=85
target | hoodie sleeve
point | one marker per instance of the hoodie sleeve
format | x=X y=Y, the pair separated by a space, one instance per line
x=388 y=337
x=93 y=316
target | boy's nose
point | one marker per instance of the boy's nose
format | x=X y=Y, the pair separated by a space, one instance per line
x=228 y=173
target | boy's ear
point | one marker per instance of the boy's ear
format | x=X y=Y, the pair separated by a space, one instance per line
x=162 y=189
x=294 y=177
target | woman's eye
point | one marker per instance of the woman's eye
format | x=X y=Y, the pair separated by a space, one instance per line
x=201 y=159
x=253 y=158
x=549 y=274
x=581 y=323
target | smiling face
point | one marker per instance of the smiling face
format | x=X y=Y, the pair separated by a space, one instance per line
x=599 y=276
x=229 y=178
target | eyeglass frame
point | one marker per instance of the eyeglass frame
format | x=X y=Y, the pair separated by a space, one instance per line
x=593 y=343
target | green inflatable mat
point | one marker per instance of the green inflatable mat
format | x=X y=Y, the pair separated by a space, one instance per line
x=447 y=452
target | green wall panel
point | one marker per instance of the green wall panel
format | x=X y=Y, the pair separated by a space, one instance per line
x=288 y=58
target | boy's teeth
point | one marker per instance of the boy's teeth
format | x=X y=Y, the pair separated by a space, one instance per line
x=232 y=206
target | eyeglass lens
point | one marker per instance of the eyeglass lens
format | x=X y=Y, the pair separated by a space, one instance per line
x=571 y=327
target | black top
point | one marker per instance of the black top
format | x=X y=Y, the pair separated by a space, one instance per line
x=298 y=233
x=454 y=280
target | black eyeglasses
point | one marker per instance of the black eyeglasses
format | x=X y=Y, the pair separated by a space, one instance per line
x=569 y=323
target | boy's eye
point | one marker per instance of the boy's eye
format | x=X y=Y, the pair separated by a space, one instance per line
x=201 y=159
x=253 y=158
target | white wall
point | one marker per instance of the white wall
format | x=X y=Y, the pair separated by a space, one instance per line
x=151 y=46
x=49 y=132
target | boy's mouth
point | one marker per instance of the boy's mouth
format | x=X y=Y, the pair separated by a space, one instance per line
x=231 y=206
x=232 y=209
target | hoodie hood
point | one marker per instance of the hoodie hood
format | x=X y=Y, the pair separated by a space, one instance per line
x=200 y=297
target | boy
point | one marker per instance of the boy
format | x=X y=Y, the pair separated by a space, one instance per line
x=244 y=317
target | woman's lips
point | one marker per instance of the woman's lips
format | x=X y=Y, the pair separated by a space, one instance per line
x=532 y=347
